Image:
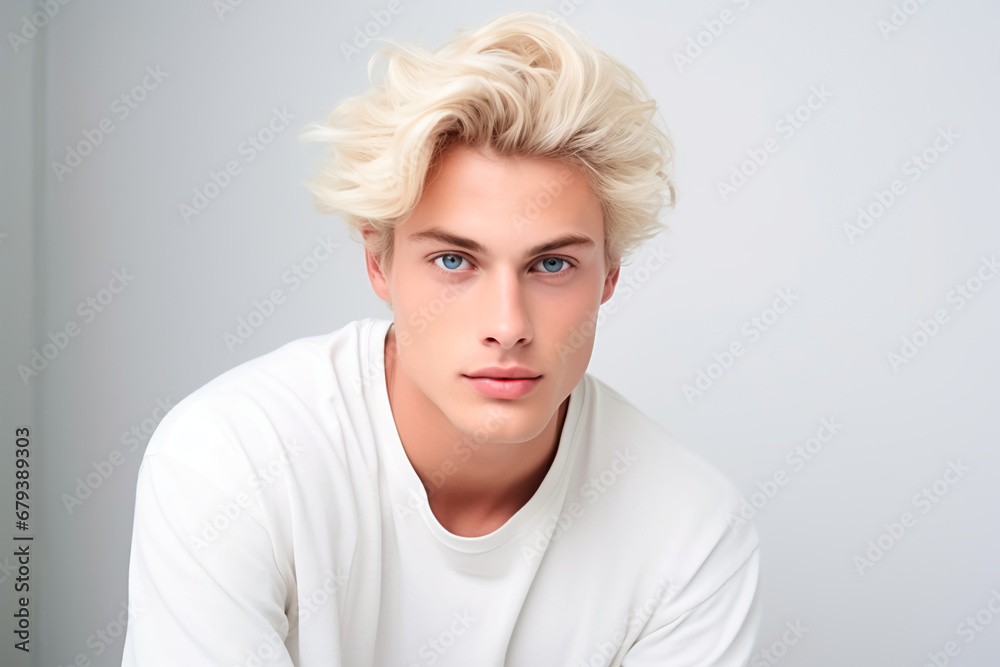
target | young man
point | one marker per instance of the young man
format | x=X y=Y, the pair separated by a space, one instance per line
x=450 y=486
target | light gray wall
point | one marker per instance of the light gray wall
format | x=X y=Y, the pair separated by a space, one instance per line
x=162 y=336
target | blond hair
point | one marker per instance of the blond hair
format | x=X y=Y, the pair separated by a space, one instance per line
x=525 y=84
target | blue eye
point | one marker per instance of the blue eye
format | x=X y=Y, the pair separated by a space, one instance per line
x=554 y=266
x=456 y=261
x=547 y=262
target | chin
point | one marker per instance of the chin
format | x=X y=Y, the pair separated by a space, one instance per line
x=503 y=421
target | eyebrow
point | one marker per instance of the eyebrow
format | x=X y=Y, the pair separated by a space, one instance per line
x=438 y=235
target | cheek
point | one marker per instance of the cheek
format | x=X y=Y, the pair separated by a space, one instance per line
x=408 y=286
x=574 y=313
x=425 y=296
x=417 y=361
x=574 y=323
x=426 y=356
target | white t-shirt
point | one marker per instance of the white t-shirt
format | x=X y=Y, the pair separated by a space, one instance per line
x=278 y=521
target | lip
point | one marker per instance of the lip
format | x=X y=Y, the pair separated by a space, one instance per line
x=504 y=373
x=504 y=388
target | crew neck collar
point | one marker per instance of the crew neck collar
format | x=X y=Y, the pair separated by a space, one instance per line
x=373 y=335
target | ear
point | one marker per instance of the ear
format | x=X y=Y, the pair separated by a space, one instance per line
x=610 y=283
x=376 y=275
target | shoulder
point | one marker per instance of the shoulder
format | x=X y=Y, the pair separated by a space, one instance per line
x=249 y=413
x=682 y=501
x=617 y=422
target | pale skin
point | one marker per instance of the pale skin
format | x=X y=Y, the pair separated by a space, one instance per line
x=458 y=309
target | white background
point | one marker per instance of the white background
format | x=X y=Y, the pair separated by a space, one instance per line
x=826 y=357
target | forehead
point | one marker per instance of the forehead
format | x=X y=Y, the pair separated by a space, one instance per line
x=513 y=198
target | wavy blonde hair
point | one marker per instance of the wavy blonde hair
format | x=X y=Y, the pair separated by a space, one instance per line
x=525 y=84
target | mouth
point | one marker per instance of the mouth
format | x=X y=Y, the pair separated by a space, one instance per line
x=505 y=388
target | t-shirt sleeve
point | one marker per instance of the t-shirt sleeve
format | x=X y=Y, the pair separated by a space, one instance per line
x=204 y=587
x=720 y=631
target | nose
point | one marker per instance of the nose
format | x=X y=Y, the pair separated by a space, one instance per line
x=504 y=317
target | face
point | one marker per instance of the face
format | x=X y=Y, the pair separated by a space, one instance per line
x=501 y=263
